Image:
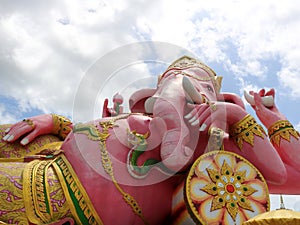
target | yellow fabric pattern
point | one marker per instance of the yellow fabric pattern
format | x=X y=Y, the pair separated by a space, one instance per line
x=16 y=193
x=16 y=150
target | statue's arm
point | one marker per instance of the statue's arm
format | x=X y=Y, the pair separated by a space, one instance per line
x=281 y=132
x=29 y=129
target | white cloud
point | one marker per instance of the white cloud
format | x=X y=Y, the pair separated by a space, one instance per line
x=6 y=118
x=297 y=127
x=47 y=47
x=289 y=76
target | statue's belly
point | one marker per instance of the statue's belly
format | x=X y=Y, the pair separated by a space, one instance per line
x=109 y=188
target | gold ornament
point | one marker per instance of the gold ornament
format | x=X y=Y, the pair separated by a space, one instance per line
x=33 y=192
x=40 y=197
x=282 y=129
x=78 y=200
x=36 y=198
x=229 y=190
x=186 y=62
x=224 y=188
x=62 y=126
x=102 y=136
x=244 y=130
x=29 y=122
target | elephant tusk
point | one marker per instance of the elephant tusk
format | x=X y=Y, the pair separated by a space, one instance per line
x=267 y=101
x=149 y=104
x=190 y=90
x=249 y=98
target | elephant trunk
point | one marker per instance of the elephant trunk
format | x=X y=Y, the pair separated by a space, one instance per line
x=168 y=104
x=174 y=152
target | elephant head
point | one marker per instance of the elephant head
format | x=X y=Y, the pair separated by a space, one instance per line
x=186 y=81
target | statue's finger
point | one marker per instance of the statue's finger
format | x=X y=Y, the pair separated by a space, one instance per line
x=29 y=138
x=17 y=132
x=262 y=92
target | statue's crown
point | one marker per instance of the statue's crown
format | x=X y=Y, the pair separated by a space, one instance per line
x=188 y=62
x=185 y=62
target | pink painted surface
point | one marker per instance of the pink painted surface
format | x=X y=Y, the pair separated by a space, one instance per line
x=177 y=137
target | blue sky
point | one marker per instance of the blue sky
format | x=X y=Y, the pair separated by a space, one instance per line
x=47 y=48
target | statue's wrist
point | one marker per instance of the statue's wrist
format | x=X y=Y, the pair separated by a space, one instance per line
x=244 y=131
x=281 y=129
x=62 y=126
x=272 y=119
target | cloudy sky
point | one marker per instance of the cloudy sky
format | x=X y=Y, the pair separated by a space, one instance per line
x=49 y=48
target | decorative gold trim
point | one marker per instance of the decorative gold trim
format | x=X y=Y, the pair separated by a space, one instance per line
x=231 y=204
x=218 y=187
x=244 y=130
x=80 y=204
x=282 y=129
x=186 y=62
x=40 y=192
x=62 y=126
x=180 y=72
x=36 y=192
x=46 y=151
x=88 y=129
x=107 y=165
x=94 y=134
x=35 y=212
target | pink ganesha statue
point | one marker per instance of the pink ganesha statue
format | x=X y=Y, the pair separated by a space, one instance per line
x=186 y=154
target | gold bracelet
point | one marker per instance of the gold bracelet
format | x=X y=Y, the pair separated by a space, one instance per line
x=282 y=129
x=61 y=126
x=244 y=130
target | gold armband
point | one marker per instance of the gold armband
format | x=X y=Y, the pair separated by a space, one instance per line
x=244 y=130
x=61 y=126
x=216 y=136
x=281 y=129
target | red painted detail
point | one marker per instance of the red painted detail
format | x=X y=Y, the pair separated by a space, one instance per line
x=230 y=188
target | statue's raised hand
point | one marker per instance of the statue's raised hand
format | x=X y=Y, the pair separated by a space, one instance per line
x=267 y=112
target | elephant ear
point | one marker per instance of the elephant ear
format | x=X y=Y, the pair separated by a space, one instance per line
x=232 y=98
x=137 y=100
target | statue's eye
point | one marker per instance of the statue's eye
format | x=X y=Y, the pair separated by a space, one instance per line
x=209 y=88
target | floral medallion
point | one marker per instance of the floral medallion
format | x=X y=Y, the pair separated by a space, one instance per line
x=223 y=188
